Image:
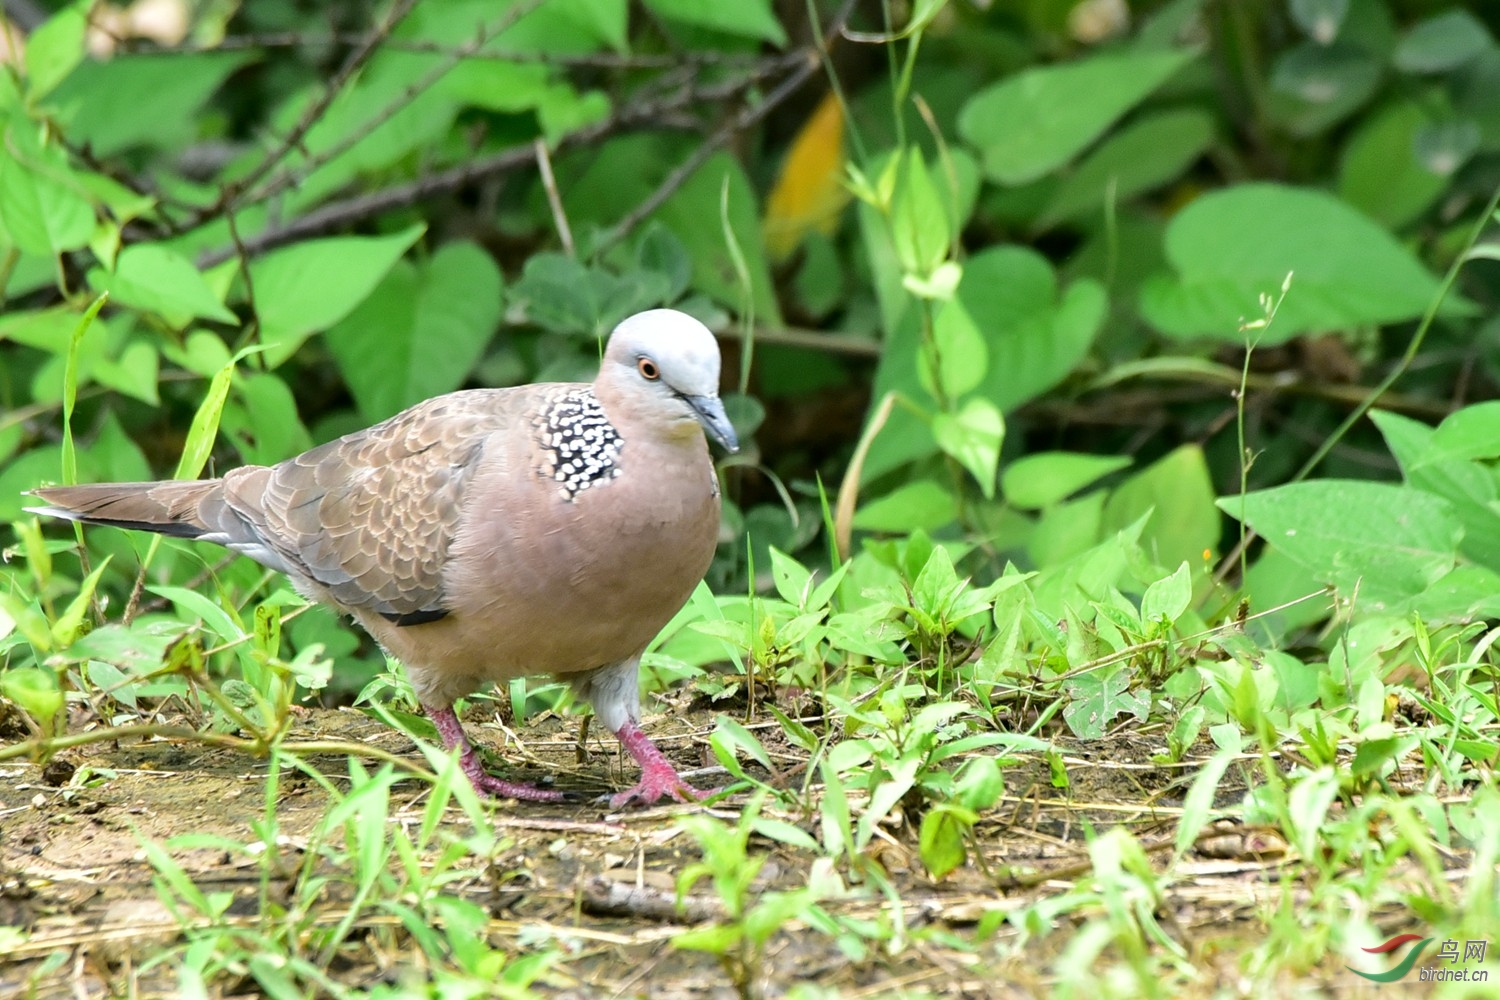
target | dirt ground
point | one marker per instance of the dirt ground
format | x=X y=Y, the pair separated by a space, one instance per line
x=600 y=885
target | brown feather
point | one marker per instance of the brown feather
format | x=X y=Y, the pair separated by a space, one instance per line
x=489 y=533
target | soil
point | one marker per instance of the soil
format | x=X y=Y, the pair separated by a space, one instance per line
x=600 y=886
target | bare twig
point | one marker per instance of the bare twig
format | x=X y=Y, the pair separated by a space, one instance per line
x=607 y=897
x=318 y=108
x=848 y=496
x=554 y=197
x=252 y=332
x=584 y=60
x=699 y=156
x=36 y=748
x=336 y=214
x=291 y=177
x=827 y=342
x=809 y=62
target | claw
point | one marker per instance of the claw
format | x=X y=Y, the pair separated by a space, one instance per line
x=453 y=736
x=487 y=784
x=655 y=786
x=659 y=779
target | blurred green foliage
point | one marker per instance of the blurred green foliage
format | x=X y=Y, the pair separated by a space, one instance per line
x=1098 y=274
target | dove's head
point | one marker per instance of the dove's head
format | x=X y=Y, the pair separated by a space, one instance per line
x=663 y=366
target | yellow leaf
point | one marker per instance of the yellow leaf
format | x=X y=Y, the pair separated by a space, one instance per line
x=809 y=193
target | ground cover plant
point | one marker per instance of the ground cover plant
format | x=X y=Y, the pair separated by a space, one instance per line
x=1108 y=593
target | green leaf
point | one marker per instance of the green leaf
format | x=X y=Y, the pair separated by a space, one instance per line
x=1067 y=529
x=1230 y=247
x=70 y=387
x=1372 y=755
x=68 y=624
x=1033 y=333
x=1307 y=807
x=720 y=939
x=1442 y=42
x=1199 y=802
x=748 y=18
x=309 y=287
x=1031 y=123
x=1097 y=697
x=114 y=456
x=973 y=436
x=54 y=48
x=195 y=604
x=1177 y=491
x=565 y=296
x=941 y=841
x=1296 y=682
x=43 y=211
x=661 y=252
x=1146 y=154
x=695 y=214
x=740 y=738
x=1312 y=87
x=151 y=277
x=139 y=648
x=1391 y=542
x=922 y=504
x=919 y=223
x=1442 y=147
x=793 y=581
x=1168 y=597
x=1320 y=19
x=1472 y=432
x=37 y=692
x=101 y=103
x=959 y=358
x=420 y=332
x=134 y=373
x=261 y=418
x=1473 y=95
x=1469 y=486
x=205 y=426
x=558 y=295
x=980 y=783
x=1380 y=174
x=1044 y=478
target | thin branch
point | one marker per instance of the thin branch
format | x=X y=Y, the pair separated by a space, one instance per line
x=554 y=197
x=318 y=108
x=607 y=897
x=47 y=746
x=336 y=214
x=810 y=60
x=292 y=176
x=252 y=332
x=850 y=345
x=848 y=495
x=584 y=60
x=689 y=166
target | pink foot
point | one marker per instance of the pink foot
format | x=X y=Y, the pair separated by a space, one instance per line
x=486 y=783
x=451 y=731
x=659 y=779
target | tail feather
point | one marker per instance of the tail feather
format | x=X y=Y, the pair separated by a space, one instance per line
x=167 y=508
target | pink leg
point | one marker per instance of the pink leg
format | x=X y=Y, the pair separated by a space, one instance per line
x=659 y=779
x=452 y=733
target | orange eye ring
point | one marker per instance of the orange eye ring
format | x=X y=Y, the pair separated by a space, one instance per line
x=648 y=369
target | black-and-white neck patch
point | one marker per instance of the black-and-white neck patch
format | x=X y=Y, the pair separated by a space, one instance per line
x=580 y=448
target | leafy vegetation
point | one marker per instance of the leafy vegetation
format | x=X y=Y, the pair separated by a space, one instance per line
x=1106 y=599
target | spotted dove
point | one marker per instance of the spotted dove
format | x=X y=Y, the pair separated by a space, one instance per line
x=492 y=533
